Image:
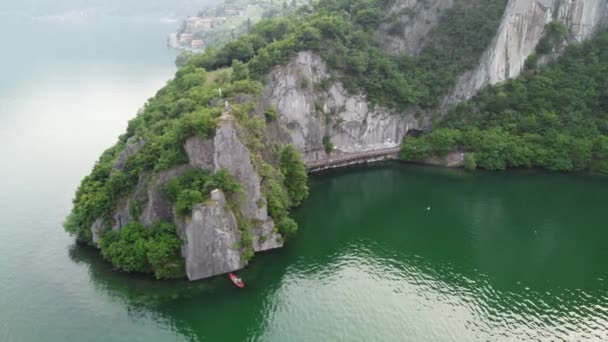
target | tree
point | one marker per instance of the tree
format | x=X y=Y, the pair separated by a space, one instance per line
x=186 y=200
x=127 y=248
x=415 y=149
x=294 y=171
x=182 y=59
x=240 y=71
x=469 y=162
x=287 y=227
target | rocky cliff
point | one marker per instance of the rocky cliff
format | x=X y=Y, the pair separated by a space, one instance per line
x=313 y=105
x=407 y=23
x=211 y=234
x=522 y=28
x=226 y=151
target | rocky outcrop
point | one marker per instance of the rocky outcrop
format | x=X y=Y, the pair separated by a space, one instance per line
x=147 y=204
x=232 y=155
x=521 y=29
x=96 y=230
x=211 y=239
x=407 y=24
x=155 y=205
x=226 y=151
x=133 y=145
x=307 y=113
x=265 y=237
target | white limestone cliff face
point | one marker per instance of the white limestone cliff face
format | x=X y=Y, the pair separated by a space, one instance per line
x=226 y=151
x=211 y=239
x=519 y=33
x=413 y=20
x=307 y=113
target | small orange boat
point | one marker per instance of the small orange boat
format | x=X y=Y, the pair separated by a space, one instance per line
x=236 y=280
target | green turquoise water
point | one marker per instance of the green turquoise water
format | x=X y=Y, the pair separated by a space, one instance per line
x=517 y=256
x=385 y=253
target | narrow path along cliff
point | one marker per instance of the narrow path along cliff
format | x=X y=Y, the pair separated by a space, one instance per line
x=341 y=160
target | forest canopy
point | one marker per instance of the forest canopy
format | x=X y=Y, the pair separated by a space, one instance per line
x=555 y=117
x=342 y=32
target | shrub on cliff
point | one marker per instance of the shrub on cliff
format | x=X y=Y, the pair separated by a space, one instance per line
x=287 y=227
x=328 y=146
x=415 y=149
x=240 y=71
x=194 y=187
x=469 y=162
x=187 y=199
x=294 y=171
x=93 y=198
x=136 y=248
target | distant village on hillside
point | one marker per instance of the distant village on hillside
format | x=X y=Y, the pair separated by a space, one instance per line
x=214 y=26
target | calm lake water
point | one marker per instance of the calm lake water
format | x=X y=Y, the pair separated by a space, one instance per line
x=516 y=256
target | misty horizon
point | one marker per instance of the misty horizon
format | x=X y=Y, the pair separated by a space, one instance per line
x=171 y=8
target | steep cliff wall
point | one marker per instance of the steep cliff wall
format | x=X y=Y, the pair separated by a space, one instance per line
x=521 y=30
x=407 y=23
x=308 y=112
x=227 y=151
x=211 y=235
x=313 y=105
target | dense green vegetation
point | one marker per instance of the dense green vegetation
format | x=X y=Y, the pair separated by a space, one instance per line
x=342 y=33
x=294 y=171
x=195 y=186
x=136 y=248
x=555 y=117
x=554 y=35
x=179 y=110
x=328 y=146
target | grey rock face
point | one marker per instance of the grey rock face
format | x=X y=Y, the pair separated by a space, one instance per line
x=265 y=237
x=134 y=144
x=415 y=19
x=212 y=239
x=121 y=216
x=96 y=230
x=308 y=115
x=520 y=31
x=232 y=155
x=226 y=151
x=149 y=196
x=200 y=153
x=156 y=205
